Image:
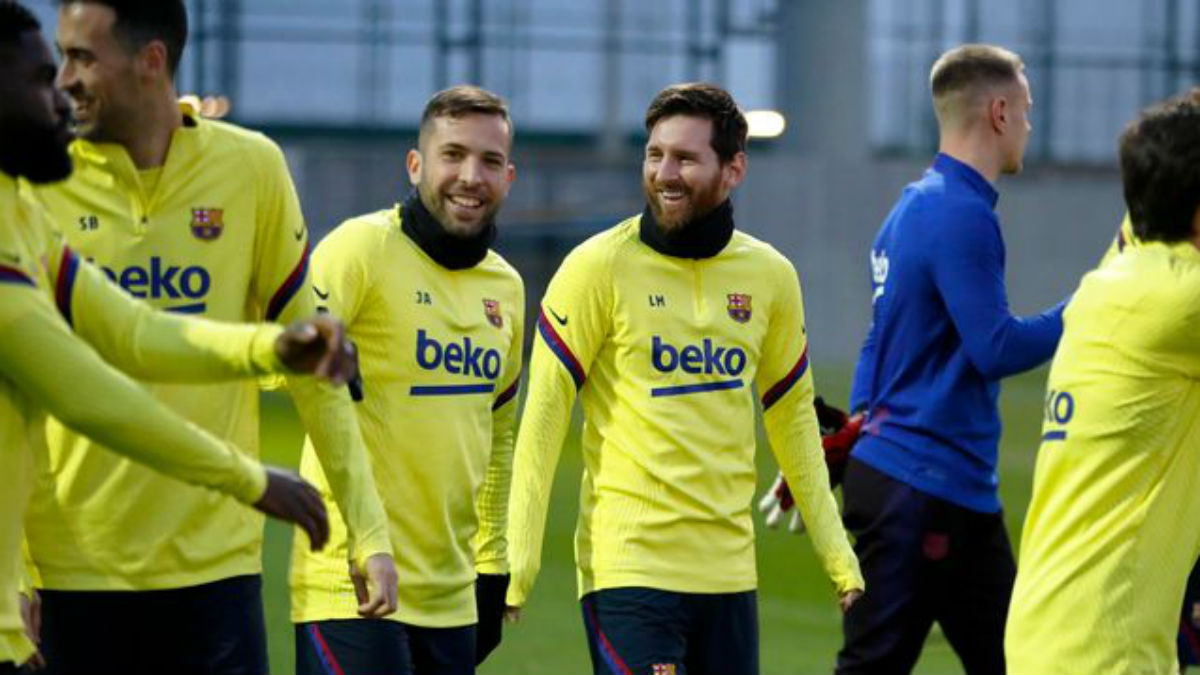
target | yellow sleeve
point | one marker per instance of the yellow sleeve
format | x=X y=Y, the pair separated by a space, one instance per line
x=573 y=323
x=153 y=345
x=491 y=540
x=785 y=384
x=60 y=373
x=329 y=418
x=30 y=578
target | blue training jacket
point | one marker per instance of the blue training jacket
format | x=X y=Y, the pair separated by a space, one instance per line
x=941 y=338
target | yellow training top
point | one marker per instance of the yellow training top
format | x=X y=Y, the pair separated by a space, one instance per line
x=664 y=353
x=221 y=235
x=440 y=353
x=51 y=302
x=1110 y=534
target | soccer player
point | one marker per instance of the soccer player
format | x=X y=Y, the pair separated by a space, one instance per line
x=663 y=325
x=920 y=488
x=1109 y=537
x=1119 y=434
x=197 y=217
x=52 y=303
x=438 y=319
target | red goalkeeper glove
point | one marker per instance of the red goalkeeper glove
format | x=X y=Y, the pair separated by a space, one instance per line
x=839 y=431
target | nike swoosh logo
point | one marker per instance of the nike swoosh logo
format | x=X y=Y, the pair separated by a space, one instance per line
x=562 y=320
x=299 y=234
x=323 y=296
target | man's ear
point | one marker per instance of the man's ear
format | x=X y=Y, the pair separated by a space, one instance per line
x=735 y=170
x=412 y=162
x=998 y=111
x=152 y=59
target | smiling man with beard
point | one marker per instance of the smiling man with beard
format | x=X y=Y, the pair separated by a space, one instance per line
x=438 y=318
x=199 y=217
x=662 y=326
x=66 y=334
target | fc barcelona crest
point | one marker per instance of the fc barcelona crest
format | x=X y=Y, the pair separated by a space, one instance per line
x=492 y=309
x=739 y=307
x=207 y=224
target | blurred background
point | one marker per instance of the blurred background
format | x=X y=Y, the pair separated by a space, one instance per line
x=340 y=84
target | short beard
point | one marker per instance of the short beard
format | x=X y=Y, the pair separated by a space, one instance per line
x=703 y=200
x=436 y=206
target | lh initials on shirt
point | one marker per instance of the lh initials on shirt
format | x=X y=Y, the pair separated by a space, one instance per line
x=657 y=300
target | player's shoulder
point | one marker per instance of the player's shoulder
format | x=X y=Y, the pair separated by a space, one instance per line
x=495 y=263
x=762 y=254
x=599 y=251
x=247 y=145
x=367 y=232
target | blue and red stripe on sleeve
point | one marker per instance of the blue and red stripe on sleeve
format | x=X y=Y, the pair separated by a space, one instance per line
x=12 y=275
x=557 y=345
x=289 y=288
x=508 y=394
x=64 y=286
x=785 y=385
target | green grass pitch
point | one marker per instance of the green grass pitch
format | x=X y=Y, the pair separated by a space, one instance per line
x=799 y=623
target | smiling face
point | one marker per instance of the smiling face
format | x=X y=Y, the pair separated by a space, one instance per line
x=682 y=176
x=462 y=170
x=98 y=73
x=34 y=115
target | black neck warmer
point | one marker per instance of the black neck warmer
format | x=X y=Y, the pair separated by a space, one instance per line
x=447 y=250
x=704 y=237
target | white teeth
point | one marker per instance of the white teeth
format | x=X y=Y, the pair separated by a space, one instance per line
x=467 y=202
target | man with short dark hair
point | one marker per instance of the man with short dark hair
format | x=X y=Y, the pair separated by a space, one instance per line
x=65 y=331
x=199 y=217
x=663 y=326
x=1109 y=536
x=920 y=486
x=438 y=318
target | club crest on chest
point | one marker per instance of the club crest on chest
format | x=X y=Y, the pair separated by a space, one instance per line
x=491 y=309
x=207 y=224
x=739 y=307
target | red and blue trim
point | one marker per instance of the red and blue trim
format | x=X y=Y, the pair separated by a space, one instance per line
x=290 y=287
x=508 y=394
x=68 y=268
x=557 y=345
x=12 y=275
x=785 y=385
x=616 y=665
x=329 y=662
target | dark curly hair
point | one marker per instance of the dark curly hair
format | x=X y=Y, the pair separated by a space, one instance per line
x=1160 y=169
x=15 y=21
x=700 y=99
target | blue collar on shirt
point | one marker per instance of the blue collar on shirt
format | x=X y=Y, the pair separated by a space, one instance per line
x=948 y=166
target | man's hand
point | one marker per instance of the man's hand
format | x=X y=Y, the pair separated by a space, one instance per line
x=31 y=619
x=318 y=346
x=839 y=432
x=375 y=587
x=849 y=598
x=290 y=498
x=512 y=614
